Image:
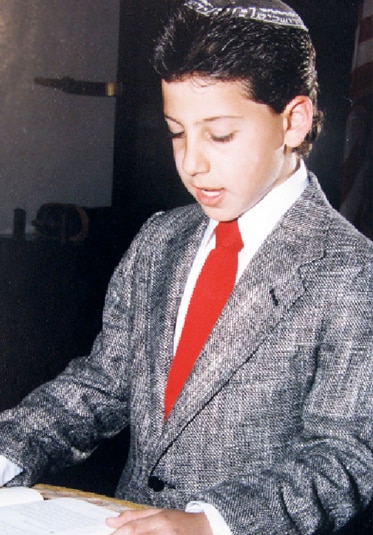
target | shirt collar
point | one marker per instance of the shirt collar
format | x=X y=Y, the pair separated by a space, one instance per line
x=257 y=223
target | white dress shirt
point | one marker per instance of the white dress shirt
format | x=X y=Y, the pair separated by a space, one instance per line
x=8 y=470
x=255 y=225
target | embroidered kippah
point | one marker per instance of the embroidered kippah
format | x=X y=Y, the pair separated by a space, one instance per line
x=268 y=11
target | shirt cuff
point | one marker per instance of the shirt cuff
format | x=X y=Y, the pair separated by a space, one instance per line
x=8 y=470
x=216 y=521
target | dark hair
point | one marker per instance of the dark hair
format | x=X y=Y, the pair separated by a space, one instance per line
x=275 y=63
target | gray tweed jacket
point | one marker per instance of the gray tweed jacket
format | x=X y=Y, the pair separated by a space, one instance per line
x=275 y=424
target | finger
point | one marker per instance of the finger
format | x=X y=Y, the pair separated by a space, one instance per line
x=163 y=522
x=129 y=516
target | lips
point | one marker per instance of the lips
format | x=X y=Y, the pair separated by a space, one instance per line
x=209 y=196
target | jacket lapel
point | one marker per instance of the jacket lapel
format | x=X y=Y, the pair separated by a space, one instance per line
x=175 y=263
x=266 y=291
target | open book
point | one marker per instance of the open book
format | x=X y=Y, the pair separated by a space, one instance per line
x=23 y=511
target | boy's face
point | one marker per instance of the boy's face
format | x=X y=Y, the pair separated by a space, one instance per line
x=229 y=150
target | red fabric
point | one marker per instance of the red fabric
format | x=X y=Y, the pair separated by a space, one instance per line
x=213 y=287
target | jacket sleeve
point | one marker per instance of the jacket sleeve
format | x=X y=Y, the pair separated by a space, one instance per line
x=64 y=420
x=326 y=474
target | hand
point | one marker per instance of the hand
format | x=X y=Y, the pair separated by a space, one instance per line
x=159 y=522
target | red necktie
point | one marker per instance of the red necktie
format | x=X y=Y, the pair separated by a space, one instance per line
x=213 y=287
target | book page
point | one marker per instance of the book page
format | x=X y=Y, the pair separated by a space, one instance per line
x=12 y=495
x=62 y=516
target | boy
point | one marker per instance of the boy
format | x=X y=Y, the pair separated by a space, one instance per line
x=268 y=428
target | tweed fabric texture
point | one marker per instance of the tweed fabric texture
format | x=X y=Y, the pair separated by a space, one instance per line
x=274 y=425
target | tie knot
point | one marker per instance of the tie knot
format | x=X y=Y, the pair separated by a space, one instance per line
x=228 y=235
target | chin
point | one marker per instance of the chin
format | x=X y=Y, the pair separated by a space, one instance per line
x=219 y=215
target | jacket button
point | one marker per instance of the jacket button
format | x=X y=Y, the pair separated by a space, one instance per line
x=156 y=484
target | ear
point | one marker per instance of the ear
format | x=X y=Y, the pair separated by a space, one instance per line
x=298 y=115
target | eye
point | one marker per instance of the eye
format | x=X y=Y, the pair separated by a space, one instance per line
x=175 y=135
x=222 y=139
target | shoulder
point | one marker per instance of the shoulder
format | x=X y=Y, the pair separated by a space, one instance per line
x=163 y=226
x=329 y=252
x=163 y=233
x=334 y=252
x=177 y=217
x=156 y=243
x=319 y=217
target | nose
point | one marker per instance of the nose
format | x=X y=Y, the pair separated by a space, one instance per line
x=194 y=159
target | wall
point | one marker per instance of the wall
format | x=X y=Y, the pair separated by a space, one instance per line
x=59 y=147
x=55 y=147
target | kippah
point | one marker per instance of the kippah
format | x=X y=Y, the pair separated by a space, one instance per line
x=267 y=11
